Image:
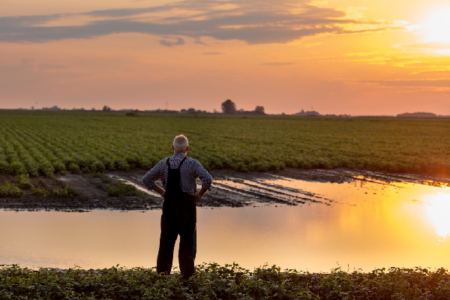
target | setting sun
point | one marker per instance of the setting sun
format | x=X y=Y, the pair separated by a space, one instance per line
x=438 y=28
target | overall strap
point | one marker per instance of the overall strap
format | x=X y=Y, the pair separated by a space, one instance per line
x=182 y=162
x=168 y=163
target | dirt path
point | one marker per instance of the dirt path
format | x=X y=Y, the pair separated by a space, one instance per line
x=230 y=188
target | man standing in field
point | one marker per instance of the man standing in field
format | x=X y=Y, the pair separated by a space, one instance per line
x=178 y=175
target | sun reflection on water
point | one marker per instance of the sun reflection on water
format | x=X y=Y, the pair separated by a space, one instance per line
x=438 y=211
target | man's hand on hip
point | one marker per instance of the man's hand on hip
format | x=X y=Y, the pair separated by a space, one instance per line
x=160 y=191
x=198 y=196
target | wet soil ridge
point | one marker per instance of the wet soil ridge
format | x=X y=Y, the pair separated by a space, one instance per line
x=123 y=190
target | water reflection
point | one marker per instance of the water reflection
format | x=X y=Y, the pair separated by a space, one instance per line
x=438 y=212
x=366 y=225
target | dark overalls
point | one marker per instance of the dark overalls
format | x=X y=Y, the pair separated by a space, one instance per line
x=179 y=217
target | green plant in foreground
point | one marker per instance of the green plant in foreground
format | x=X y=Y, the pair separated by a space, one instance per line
x=24 y=181
x=106 y=179
x=10 y=190
x=122 y=189
x=67 y=192
x=213 y=281
x=40 y=192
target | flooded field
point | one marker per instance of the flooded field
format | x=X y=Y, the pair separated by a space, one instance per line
x=310 y=221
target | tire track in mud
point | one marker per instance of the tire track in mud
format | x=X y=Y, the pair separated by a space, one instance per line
x=270 y=193
x=259 y=196
x=279 y=188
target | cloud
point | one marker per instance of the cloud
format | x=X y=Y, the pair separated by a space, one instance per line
x=198 y=41
x=439 y=72
x=26 y=61
x=9 y=24
x=278 y=64
x=256 y=22
x=52 y=67
x=127 y=12
x=167 y=43
x=413 y=83
x=426 y=45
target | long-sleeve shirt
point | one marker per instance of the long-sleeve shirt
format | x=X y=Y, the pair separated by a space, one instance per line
x=189 y=171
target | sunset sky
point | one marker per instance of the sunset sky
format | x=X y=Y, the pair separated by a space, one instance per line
x=370 y=57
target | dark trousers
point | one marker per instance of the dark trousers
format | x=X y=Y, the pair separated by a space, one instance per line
x=179 y=218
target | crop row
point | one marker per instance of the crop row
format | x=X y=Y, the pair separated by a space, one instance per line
x=229 y=282
x=48 y=145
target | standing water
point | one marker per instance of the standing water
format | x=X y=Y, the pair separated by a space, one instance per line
x=358 y=224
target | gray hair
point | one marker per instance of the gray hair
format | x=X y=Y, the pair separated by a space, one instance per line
x=180 y=143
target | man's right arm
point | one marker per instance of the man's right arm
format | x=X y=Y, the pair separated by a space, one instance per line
x=154 y=174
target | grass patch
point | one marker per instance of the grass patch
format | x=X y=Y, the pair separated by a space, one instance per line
x=74 y=168
x=67 y=192
x=40 y=192
x=10 y=190
x=229 y=282
x=106 y=179
x=122 y=189
x=23 y=181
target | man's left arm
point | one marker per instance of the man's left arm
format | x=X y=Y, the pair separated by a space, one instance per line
x=206 y=179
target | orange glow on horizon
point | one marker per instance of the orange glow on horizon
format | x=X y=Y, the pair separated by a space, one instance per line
x=335 y=57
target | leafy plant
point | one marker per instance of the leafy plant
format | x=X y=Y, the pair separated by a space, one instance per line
x=40 y=192
x=67 y=192
x=122 y=189
x=74 y=168
x=24 y=182
x=213 y=281
x=10 y=190
x=106 y=179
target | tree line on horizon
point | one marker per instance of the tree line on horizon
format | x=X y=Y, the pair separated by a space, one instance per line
x=228 y=107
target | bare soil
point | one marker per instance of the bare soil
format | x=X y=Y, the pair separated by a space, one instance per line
x=230 y=188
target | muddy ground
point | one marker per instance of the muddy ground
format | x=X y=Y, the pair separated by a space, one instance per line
x=230 y=188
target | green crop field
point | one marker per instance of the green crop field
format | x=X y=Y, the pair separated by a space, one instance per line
x=41 y=143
